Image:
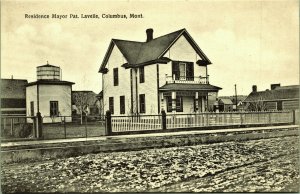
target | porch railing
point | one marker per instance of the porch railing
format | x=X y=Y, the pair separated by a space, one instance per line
x=174 y=121
x=185 y=79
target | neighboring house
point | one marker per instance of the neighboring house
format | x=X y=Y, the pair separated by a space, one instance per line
x=278 y=98
x=225 y=105
x=239 y=98
x=13 y=96
x=87 y=100
x=169 y=72
x=49 y=95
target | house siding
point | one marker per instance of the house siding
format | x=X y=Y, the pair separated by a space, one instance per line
x=123 y=89
x=290 y=105
x=31 y=95
x=149 y=88
x=59 y=93
x=188 y=104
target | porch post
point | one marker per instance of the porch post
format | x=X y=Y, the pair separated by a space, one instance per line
x=173 y=102
x=196 y=102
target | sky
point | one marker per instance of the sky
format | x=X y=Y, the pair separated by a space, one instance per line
x=248 y=42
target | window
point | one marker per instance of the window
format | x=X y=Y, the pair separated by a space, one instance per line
x=116 y=77
x=142 y=103
x=142 y=75
x=32 y=108
x=183 y=70
x=53 y=108
x=111 y=104
x=179 y=107
x=182 y=75
x=279 y=105
x=122 y=104
x=179 y=104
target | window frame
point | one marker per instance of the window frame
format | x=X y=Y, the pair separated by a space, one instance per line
x=189 y=71
x=122 y=104
x=116 y=76
x=142 y=74
x=142 y=103
x=54 y=110
x=179 y=99
x=32 y=108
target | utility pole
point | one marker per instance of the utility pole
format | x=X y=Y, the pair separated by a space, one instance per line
x=235 y=97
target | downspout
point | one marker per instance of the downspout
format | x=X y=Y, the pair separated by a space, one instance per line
x=131 y=92
x=157 y=81
x=136 y=89
x=38 y=97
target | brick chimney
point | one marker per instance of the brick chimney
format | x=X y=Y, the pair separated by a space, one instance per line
x=149 y=33
x=254 y=88
x=273 y=86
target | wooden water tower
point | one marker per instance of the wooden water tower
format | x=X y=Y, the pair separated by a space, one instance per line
x=48 y=72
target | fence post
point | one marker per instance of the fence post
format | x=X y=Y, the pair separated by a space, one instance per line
x=164 y=119
x=39 y=125
x=65 y=129
x=12 y=126
x=85 y=126
x=241 y=114
x=108 y=123
x=294 y=117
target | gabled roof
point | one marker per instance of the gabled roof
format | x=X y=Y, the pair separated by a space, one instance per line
x=140 y=53
x=13 y=88
x=279 y=93
x=225 y=101
x=189 y=87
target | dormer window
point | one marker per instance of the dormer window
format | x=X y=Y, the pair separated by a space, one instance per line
x=116 y=77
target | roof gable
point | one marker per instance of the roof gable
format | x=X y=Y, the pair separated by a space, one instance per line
x=225 y=101
x=141 y=53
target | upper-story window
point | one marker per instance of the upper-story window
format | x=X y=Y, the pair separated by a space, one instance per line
x=142 y=75
x=183 y=70
x=116 y=77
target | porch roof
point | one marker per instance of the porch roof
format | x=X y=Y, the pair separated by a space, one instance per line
x=189 y=87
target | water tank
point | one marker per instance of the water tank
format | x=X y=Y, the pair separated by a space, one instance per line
x=48 y=72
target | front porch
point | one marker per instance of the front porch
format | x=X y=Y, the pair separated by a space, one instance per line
x=186 y=98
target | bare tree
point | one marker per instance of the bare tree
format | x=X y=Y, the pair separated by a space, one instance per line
x=258 y=105
x=81 y=100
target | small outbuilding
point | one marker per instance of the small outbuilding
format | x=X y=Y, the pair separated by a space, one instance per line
x=225 y=105
x=49 y=95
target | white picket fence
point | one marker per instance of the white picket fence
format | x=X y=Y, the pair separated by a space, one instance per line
x=154 y=122
x=136 y=123
x=230 y=118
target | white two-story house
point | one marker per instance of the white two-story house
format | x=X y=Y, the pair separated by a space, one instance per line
x=165 y=73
